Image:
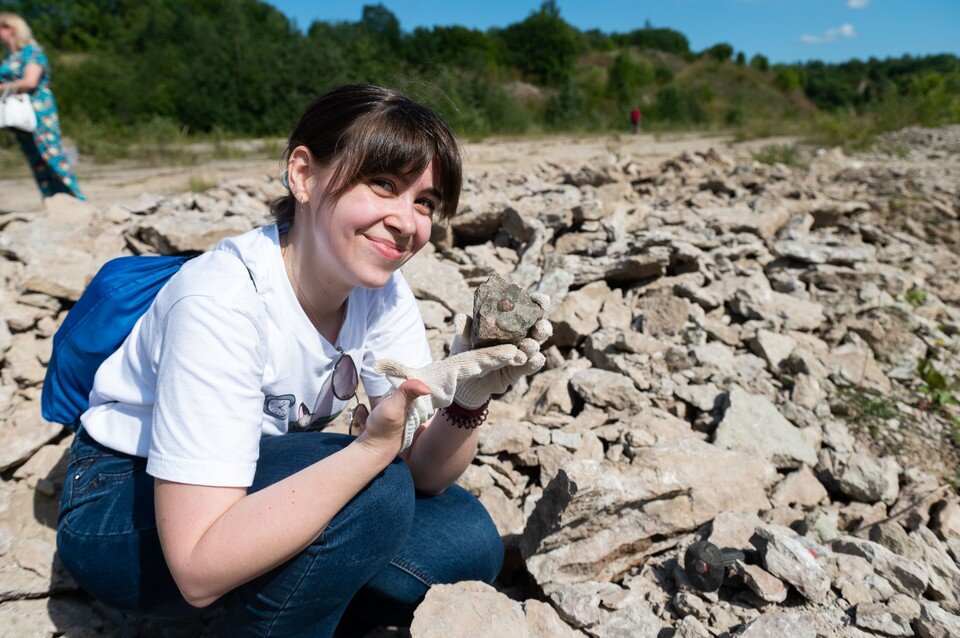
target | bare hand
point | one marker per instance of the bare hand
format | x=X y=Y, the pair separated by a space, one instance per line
x=381 y=432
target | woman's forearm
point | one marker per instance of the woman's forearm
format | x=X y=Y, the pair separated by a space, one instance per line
x=441 y=454
x=29 y=81
x=262 y=530
x=17 y=86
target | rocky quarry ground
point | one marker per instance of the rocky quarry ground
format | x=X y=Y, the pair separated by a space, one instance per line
x=757 y=355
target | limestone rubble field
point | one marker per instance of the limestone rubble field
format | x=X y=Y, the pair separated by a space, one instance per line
x=736 y=358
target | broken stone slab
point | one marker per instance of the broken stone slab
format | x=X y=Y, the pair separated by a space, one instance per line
x=690 y=627
x=905 y=606
x=868 y=479
x=944 y=571
x=596 y=520
x=577 y=316
x=827 y=212
x=604 y=609
x=662 y=315
x=502 y=313
x=549 y=391
x=761 y=302
x=733 y=530
x=907 y=576
x=505 y=514
x=592 y=175
x=175 y=232
x=762 y=583
x=754 y=425
x=799 y=488
x=817 y=253
x=765 y=219
x=471 y=609
x=807 y=391
x=854 y=592
x=789 y=559
x=49 y=617
x=478 y=221
x=881 y=618
x=773 y=347
x=850 y=365
x=432 y=278
x=934 y=622
x=580 y=604
x=626 y=269
x=705 y=397
x=512 y=437
x=779 y=624
x=688 y=604
x=23 y=433
x=544 y=622
x=28 y=568
x=45 y=470
x=606 y=389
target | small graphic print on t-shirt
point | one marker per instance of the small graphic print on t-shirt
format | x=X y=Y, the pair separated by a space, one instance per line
x=278 y=406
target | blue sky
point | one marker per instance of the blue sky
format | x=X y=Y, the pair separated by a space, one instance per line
x=783 y=30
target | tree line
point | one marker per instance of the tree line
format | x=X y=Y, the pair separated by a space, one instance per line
x=240 y=67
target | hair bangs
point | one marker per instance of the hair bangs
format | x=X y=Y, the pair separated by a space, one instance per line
x=401 y=141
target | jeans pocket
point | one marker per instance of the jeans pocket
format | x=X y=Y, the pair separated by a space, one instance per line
x=93 y=481
x=102 y=495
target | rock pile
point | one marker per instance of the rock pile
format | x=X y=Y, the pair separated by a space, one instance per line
x=734 y=360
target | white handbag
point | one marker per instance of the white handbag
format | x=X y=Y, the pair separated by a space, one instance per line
x=17 y=112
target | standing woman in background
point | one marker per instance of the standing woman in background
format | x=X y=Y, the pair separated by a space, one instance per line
x=25 y=69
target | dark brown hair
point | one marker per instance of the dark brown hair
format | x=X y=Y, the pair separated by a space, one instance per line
x=363 y=131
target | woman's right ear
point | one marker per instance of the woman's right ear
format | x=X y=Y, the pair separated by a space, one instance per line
x=299 y=173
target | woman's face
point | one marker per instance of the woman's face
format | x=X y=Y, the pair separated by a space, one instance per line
x=7 y=37
x=374 y=228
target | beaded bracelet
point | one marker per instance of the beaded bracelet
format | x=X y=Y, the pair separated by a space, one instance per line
x=467 y=418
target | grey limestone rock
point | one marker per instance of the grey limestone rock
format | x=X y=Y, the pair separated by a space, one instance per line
x=502 y=313
x=789 y=559
x=752 y=424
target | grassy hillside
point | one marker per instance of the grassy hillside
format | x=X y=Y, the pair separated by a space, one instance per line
x=132 y=75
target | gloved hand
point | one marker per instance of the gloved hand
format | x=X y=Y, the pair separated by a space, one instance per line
x=469 y=376
x=443 y=377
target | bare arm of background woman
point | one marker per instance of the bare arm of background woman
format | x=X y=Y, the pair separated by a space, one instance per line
x=217 y=538
x=29 y=81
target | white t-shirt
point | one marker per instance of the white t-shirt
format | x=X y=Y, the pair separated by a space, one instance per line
x=215 y=363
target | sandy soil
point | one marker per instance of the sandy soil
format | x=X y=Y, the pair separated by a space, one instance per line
x=106 y=184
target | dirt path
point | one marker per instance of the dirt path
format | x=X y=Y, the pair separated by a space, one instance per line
x=106 y=184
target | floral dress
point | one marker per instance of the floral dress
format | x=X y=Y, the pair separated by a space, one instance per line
x=42 y=147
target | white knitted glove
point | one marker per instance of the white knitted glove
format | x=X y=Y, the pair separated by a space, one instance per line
x=469 y=376
x=443 y=378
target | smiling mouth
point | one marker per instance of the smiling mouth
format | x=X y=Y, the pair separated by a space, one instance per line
x=387 y=249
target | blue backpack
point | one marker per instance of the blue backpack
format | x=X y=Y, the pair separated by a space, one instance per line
x=96 y=327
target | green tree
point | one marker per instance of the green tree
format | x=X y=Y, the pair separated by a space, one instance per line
x=657 y=39
x=721 y=52
x=626 y=77
x=760 y=62
x=543 y=46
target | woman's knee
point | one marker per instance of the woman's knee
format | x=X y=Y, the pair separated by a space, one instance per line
x=475 y=547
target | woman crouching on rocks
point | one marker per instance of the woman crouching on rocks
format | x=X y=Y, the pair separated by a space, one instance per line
x=199 y=476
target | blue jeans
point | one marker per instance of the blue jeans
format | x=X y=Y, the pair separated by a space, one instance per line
x=371 y=565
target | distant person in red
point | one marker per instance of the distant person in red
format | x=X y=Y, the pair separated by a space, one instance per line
x=635 y=117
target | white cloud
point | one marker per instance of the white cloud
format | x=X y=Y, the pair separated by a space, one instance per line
x=857 y=4
x=830 y=35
